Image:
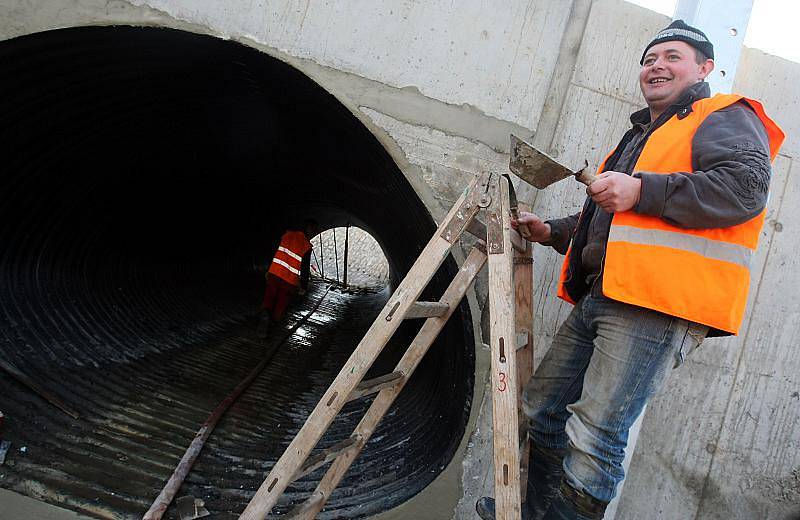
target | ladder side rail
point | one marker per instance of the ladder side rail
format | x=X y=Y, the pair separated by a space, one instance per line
x=523 y=322
x=407 y=364
x=505 y=418
x=364 y=355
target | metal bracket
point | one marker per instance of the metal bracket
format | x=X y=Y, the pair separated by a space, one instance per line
x=494 y=223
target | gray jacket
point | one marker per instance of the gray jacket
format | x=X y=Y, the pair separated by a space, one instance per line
x=729 y=185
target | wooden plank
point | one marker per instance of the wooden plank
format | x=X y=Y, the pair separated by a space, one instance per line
x=426 y=310
x=523 y=327
x=505 y=417
x=407 y=364
x=372 y=386
x=355 y=368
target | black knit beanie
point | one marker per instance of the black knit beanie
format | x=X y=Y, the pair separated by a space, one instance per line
x=678 y=30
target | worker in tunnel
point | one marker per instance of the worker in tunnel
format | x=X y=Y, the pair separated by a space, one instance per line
x=287 y=275
x=657 y=259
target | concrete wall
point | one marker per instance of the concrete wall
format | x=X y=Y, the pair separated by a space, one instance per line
x=442 y=84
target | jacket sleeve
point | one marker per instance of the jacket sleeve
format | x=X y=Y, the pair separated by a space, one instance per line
x=730 y=184
x=561 y=230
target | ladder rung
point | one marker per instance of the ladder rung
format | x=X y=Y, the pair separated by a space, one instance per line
x=371 y=386
x=426 y=310
x=304 y=508
x=326 y=455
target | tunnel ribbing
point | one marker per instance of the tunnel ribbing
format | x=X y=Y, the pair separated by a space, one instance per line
x=146 y=171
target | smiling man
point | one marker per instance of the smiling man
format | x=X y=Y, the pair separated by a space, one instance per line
x=657 y=259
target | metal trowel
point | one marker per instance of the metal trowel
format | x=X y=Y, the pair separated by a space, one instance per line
x=539 y=169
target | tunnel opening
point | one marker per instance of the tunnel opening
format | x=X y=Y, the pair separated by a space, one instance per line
x=350 y=256
x=147 y=171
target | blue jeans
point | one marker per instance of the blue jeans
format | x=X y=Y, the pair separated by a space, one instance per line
x=606 y=362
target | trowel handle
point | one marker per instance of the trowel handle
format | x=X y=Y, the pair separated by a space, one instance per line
x=586 y=177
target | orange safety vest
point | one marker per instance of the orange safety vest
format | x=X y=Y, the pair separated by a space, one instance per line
x=701 y=275
x=289 y=256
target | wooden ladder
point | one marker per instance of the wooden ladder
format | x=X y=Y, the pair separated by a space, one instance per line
x=510 y=259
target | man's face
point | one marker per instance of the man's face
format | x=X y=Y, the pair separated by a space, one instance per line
x=668 y=69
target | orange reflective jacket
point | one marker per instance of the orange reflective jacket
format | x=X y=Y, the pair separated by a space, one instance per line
x=701 y=275
x=289 y=257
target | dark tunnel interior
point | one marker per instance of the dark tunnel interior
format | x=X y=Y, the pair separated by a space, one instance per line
x=147 y=176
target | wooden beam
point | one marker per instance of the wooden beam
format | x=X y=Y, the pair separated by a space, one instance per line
x=523 y=326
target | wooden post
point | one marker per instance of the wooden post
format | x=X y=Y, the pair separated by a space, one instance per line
x=523 y=320
x=505 y=417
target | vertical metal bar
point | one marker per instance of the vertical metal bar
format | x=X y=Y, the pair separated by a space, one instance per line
x=346 y=250
x=336 y=254
x=322 y=255
x=725 y=23
x=316 y=260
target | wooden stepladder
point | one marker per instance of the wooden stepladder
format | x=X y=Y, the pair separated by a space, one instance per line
x=509 y=258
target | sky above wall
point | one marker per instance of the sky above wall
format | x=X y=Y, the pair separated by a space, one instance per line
x=771 y=29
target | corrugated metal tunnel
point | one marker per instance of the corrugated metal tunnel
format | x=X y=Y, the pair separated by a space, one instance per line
x=146 y=172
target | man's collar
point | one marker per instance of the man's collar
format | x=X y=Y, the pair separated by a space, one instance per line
x=699 y=90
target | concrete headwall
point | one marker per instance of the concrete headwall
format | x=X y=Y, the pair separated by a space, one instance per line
x=441 y=85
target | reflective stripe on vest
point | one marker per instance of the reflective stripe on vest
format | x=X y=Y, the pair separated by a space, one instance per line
x=714 y=249
x=290 y=253
x=289 y=256
x=287 y=266
x=702 y=275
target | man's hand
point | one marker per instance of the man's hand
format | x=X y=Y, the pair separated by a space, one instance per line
x=615 y=192
x=538 y=230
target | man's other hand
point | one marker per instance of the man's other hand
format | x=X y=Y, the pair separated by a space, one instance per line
x=615 y=192
x=538 y=230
